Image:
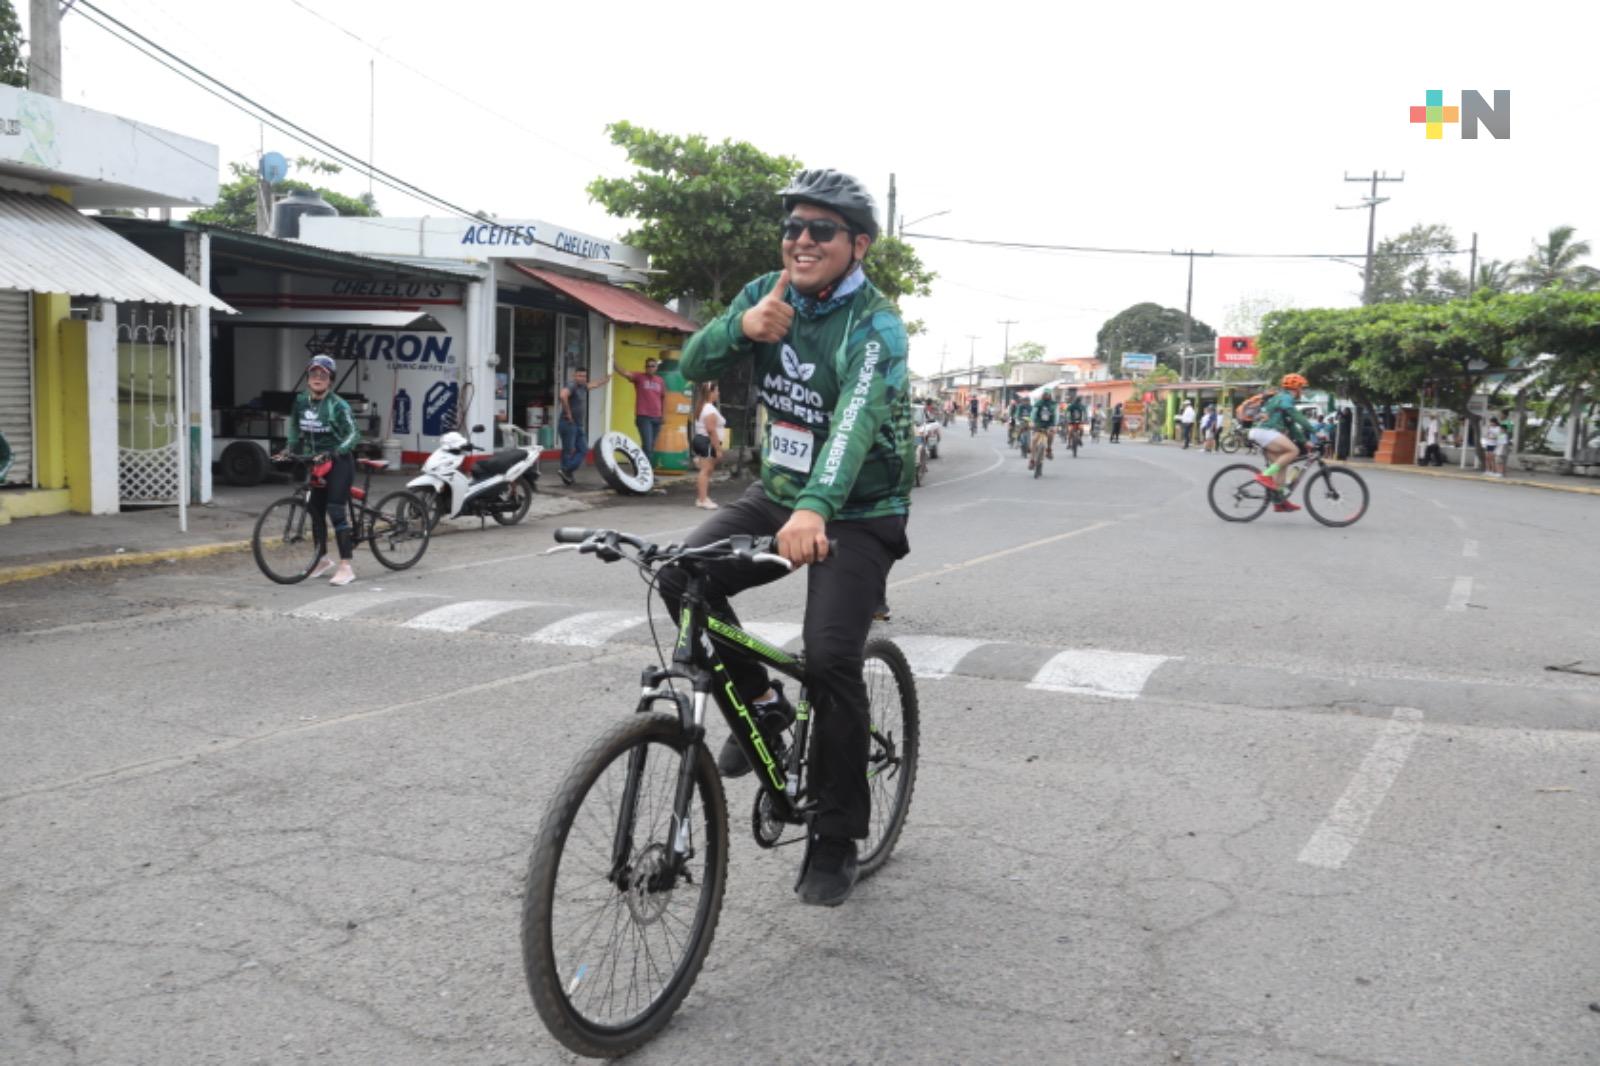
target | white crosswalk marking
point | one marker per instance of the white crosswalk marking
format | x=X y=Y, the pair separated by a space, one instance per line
x=460 y=617
x=346 y=604
x=590 y=629
x=936 y=657
x=1341 y=831
x=775 y=633
x=1118 y=674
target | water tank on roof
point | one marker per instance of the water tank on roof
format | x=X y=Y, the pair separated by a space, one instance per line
x=287 y=212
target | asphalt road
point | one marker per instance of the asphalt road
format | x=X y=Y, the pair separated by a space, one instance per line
x=1192 y=792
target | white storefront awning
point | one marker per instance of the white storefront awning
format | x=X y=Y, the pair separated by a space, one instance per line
x=47 y=246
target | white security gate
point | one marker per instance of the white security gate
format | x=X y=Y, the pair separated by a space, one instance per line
x=152 y=432
x=16 y=383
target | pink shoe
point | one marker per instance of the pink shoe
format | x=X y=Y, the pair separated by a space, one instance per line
x=708 y=505
x=342 y=579
x=323 y=566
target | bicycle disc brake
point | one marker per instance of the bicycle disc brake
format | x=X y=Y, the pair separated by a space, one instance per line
x=765 y=824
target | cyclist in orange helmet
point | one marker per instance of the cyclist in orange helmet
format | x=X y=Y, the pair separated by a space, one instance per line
x=1280 y=431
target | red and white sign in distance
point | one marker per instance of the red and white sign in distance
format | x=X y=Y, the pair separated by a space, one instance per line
x=1236 y=351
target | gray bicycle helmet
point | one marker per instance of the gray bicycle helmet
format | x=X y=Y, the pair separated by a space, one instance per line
x=836 y=191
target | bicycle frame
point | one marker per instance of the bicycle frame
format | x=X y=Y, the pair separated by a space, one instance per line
x=695 y=660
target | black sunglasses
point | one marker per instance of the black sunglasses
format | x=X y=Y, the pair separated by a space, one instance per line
x=822 y=230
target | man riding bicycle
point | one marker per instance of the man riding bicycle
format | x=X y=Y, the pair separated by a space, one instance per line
x=1281 y=431
x=1075 y=414
x=1043 y=417
x=838 y=462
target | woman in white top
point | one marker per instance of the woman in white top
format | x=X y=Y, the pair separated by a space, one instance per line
x=705 y=443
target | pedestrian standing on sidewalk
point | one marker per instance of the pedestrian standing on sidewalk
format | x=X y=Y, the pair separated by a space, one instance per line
x=1491 y=443
x=1208 y=427
x=321 y=424
x=1116 y=423
x=649 y=394
x=1430 y=439
x=1186 y=420
x=571 y=425
x=705 y=440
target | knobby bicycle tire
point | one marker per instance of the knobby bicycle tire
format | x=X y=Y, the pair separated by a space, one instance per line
x=892 y=783
x=558 y=972
x=1328 y=484
x=397 y=530
x=1242 y=498
x=283 y=542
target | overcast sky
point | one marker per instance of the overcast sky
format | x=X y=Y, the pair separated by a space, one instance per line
x=1223 y=127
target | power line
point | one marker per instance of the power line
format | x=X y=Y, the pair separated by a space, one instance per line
x=1026 y=246
x=293 y=130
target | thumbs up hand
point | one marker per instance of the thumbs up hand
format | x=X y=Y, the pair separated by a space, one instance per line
x=768 y=321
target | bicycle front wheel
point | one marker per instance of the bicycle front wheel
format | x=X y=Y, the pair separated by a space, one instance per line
x=893 y=742
x=1229 y=443
x=398 y=530
x=614 y=932
x=283 y=543
x=1336 y=496
x=1236 y=495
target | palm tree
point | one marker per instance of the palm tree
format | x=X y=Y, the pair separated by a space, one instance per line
x=1495 y=275
x=1556 y=263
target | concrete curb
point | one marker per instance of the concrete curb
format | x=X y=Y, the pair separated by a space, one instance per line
x=32 y=571
x=1481 y=479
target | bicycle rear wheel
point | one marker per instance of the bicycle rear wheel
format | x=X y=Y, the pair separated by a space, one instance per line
x=1228 y=443
x=612 y=939
x=397 y=531
x=1336 y=496
x=894 y=741
x=283 y=543
x=1236 y=495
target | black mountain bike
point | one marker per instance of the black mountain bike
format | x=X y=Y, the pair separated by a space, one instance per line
x=286 y=549
x=625 y=881
x=1334 y=495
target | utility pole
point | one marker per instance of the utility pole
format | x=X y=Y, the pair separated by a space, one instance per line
x=972 y=359
x=1472 y=273
x=1184 y=366
x=1007 y=323
x=890 y=218
x=1371 y=204
x=44 y=47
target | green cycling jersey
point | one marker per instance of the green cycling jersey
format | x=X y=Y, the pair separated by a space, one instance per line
x=324 y=425
x=837 y=392
x=1280 y=413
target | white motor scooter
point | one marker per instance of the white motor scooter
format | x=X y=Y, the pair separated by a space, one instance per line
x=500 y=487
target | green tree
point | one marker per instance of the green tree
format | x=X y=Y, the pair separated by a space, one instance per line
x=1555 y=262
x=1407 y=268
x=1150 y=328
x=893 y=267
x=707 y=214
x=1025 y=352
x=13 y=71
x=236 y=200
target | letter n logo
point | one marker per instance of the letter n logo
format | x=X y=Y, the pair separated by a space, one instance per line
x=1496 y=119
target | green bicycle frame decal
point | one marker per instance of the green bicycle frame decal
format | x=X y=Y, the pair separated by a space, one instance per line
x=685 y=618
x=774 y=774
x=745 y=640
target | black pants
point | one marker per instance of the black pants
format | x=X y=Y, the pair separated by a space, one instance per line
x=333 y=501
x=840 y=597
x=1433 y=455
x=1116 y=429
x=1188 y=432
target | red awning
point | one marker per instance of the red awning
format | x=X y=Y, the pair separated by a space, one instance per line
x=618 y=304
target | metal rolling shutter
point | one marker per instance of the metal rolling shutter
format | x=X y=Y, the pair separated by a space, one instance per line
x=16 y=383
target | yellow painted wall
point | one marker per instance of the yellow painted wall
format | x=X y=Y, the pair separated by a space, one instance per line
x=635 y=344
x=50 y=311
x=75 y=412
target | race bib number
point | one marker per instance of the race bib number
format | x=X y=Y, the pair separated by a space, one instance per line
x=790 y=446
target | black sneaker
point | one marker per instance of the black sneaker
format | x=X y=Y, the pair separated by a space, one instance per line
x=566 y=478
x=829 y=873
x=880 y=613
x=772 y=717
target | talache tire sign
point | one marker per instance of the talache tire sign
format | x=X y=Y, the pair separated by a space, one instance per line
x=623 y=464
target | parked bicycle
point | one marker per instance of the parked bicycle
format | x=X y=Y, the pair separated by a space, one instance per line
x=626 y=879
x=284 y=541
x=1334 y=495
x=1238 y=436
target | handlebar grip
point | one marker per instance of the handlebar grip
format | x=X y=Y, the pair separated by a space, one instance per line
x=573 y=535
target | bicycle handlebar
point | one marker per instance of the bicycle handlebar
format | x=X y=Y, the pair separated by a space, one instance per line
x=605 y=543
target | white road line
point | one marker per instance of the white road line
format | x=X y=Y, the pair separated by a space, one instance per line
x=1341 y=831
x=1118 y=674
x=1461 y=523
x=999 y=460
x=936 y=657
x=775 y=633
x=1470 y=549
x=1460 y=593
x=590 y=629
x=949 y=568
x=460 y=617
x=350 y=603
